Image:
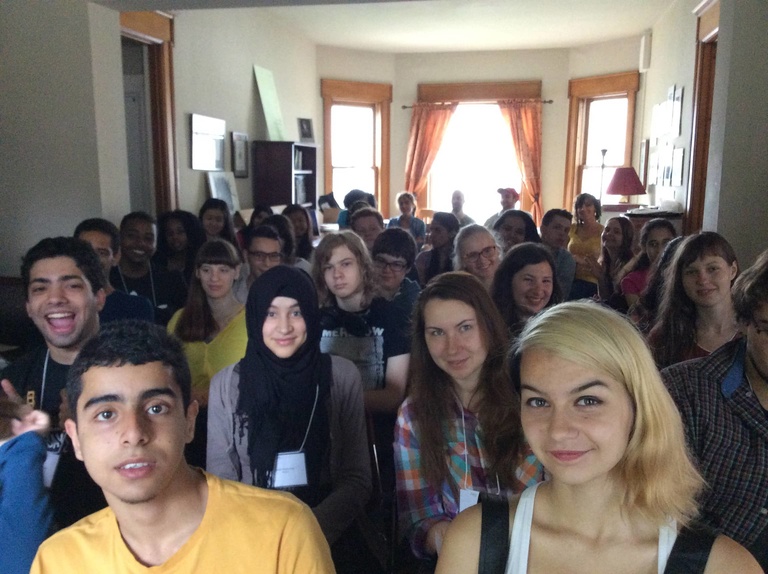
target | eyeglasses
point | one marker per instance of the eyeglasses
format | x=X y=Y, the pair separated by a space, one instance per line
x=488 y=253
x=397 y=266
x=274 y=257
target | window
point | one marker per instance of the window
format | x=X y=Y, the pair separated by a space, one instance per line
x=601 y=117
x=353 y=157
x=356 y=138
x=476 y=156
x=605 y=131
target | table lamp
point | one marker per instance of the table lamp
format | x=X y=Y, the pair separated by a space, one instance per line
x=625 y=183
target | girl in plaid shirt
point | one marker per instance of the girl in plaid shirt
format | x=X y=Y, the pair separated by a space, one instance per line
x=458 y=431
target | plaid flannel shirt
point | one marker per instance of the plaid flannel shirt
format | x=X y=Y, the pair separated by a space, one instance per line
x=422 y=505
x=727 y=432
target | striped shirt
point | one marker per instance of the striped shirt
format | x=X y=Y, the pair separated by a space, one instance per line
x=422 y=505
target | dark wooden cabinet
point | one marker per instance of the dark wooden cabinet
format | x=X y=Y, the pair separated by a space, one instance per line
x=283 y=173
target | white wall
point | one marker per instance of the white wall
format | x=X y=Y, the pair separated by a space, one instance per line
x=109 y=110
x=736 y=203
x=62 y=147
x=51 y=153
x=673 y=56
x=214 y=55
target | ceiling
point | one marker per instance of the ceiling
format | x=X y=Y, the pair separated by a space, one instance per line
x=444 y=25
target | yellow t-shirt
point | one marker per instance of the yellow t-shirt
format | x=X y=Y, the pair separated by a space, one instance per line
x=244 y=530
x=207 y=359
x=581 y=248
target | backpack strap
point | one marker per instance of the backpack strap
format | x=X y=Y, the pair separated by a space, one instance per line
x=494 y=535
x=691 y=550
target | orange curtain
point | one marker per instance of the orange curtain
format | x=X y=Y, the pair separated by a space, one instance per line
x=428 y=124
x=524 y=119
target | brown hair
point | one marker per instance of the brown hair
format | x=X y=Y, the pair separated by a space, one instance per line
x=750 y=290
x=430 y=389
x=675 y=328
x=323 y=254
x=196 y=322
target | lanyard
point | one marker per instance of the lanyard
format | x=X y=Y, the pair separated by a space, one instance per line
x=151 y=283
x=466 y=451
x=311 y=416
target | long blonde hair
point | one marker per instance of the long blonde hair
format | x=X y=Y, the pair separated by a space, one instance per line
x=656 y=471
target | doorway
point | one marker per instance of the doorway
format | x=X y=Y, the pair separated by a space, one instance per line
x=138 y=129
x=708 y=14
x=153 y=31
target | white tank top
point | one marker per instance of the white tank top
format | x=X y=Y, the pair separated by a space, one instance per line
x=520 y=542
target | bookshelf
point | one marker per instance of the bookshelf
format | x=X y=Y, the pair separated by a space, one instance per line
x=283 y=173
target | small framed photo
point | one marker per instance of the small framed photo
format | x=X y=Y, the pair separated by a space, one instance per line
x=240 y=154
x=306 y=133
x=644 y=151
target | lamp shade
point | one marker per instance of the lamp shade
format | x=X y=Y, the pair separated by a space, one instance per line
x=625 y=182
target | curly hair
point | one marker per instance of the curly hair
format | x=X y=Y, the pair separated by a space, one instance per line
x=79 y=251
x=130 y=342
x=583 y=198
x=195 y=239
x=430 y=389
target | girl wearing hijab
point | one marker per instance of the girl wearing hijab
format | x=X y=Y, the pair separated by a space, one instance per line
x=289 y=417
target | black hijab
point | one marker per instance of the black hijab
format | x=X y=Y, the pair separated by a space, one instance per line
x=277 y=395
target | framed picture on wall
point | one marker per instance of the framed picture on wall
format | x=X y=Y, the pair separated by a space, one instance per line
x=221 y=185
x=239 y=154
x=644 y=149
x=306 y=133
x=208 y=135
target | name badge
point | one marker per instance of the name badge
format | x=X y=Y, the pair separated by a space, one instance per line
x=290 y=470
x=54 y=446
x=468 y=498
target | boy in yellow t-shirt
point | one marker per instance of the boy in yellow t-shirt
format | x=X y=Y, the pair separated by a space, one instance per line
x=129 y=392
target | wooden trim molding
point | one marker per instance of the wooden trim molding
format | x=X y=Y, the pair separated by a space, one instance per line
x=155 y=29
x=604 y=86
x=478 y=91
x=364 y=93
x=708 y=13
x=580 y=92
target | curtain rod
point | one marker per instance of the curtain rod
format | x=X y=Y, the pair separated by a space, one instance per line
x=475 y=103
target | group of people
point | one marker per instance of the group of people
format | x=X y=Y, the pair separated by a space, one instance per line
x=371 y=366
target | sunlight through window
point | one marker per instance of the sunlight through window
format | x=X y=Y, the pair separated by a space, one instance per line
x=352 y=148
x=477 y=156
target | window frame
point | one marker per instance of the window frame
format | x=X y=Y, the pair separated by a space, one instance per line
x=581 y=92
x=481 y=92
x=377 y=95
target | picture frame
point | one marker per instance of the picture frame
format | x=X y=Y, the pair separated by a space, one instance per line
x=306 y=133
x=208 y=135
x=644 y=150
x=221 y=185
x=678 y=165
x=677 y=111
x=240 y=154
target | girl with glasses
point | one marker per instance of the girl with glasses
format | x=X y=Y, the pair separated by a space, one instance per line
x=477 y=253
